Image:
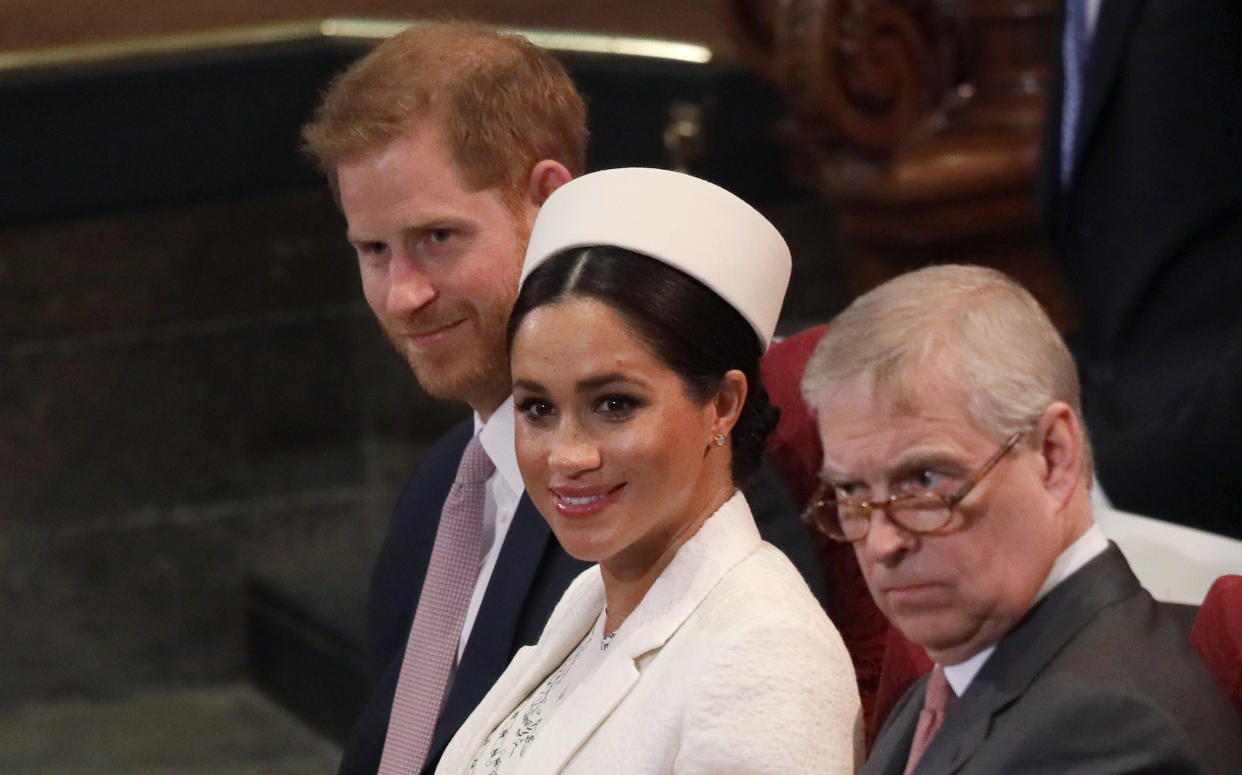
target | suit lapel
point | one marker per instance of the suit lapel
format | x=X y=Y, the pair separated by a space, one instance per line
x=532 y=664
x=966 y=725
x=581 y=714
x=892 y=745
x=1107 y=46
x=727 y=538
x=1022 y=655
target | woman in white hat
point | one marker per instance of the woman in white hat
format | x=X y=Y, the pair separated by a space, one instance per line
x=647 y=299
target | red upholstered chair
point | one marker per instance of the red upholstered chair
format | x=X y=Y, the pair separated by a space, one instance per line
x=794 y=446
x=1217 y=634
x=884 y=661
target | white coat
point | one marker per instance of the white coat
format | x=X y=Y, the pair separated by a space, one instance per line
x=728 y=665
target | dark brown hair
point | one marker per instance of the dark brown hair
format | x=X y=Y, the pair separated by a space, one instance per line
x=686 y=325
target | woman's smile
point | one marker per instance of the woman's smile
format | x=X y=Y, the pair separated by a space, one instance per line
x=611 y=445
x=580 y=501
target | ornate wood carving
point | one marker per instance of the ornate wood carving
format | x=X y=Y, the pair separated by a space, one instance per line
x=872 y=70
x=919 y=122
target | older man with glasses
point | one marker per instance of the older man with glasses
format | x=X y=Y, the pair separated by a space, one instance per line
x=956 y=463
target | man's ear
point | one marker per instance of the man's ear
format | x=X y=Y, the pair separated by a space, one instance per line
x=1061 y=447
x=545 y=177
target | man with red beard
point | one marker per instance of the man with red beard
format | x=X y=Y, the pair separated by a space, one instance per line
x=441 y=145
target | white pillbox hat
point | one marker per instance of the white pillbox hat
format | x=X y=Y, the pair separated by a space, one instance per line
x=688 y=223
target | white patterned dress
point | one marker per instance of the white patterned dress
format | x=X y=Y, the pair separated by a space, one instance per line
x=503 y=749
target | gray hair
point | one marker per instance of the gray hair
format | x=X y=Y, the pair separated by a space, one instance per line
x=970 y=325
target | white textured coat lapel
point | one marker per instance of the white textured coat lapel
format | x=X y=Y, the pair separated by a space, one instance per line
x=570 y=621
x=727 y=538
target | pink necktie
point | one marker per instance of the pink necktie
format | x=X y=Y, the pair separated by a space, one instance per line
x=447 y=588
x=930 y=718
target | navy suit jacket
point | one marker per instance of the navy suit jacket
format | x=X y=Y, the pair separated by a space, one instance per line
x=1149 y=232
x=531 y=573
x=1097 y=678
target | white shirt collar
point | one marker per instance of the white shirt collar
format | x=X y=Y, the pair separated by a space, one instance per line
x=960 y=675
x=497 y=440
x=504 y=492
x=1076 y=555
x=1089 y=545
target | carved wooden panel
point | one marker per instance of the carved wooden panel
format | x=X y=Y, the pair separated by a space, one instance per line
x=919 y=122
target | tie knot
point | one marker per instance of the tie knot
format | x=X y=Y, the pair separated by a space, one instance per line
x=475 y=466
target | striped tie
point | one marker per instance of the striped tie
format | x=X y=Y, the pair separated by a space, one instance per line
x=447 y=588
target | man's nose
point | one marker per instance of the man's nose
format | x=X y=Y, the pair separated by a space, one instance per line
x=409 y=287
x=887 y=541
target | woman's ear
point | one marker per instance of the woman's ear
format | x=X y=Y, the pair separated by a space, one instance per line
x=1061 y=447
x=728 y=402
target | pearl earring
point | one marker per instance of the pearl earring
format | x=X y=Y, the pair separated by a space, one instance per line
x=720 y=440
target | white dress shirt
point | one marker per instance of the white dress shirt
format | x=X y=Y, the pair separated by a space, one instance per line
x=504 y=491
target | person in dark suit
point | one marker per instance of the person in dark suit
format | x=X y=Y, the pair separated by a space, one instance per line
x=441 y=145
x=1141 y=189
x=956 y=463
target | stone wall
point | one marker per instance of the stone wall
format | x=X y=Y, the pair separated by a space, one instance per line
x=187 y=395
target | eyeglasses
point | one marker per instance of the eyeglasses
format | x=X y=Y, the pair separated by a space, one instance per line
x=917 y=512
